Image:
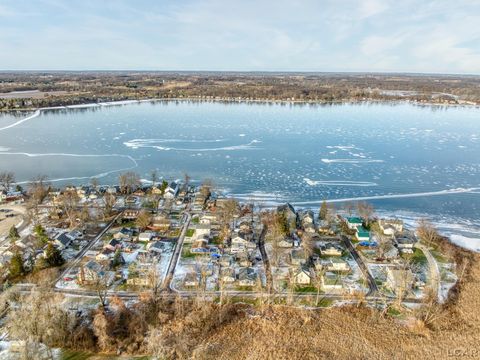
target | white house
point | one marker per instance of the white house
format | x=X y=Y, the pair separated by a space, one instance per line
x=238 y=244
x=336 y=264
x=227 y=275
x=171 y=191
x=330 y=249
x=145 y=236
x=362 y=234
x=302 y=276
x=391 y=225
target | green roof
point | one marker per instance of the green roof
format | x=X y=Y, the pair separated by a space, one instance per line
x=363 y=232
x=354 y=220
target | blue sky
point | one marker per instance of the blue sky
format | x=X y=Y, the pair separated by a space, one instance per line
x=296 y=35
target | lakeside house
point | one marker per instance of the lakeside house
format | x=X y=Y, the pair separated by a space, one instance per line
x=171 y=190
x=354 y=222
x=391 y=226
x=406 y=243
x=362 y=234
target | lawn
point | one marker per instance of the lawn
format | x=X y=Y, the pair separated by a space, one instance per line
x=190 y=232
x=306 y=289
x=186 y=251
x=439 y=257
x=325 y=302
x=418 y=257
x=75 y=355
x=216 y=240
x=243 y=288
x=393 y=311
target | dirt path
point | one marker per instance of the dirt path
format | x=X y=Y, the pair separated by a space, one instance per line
x=6 y=222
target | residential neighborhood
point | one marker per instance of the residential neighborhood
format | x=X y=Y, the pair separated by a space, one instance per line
x=191 y=240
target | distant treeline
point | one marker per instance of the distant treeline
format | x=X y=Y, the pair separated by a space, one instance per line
x=91 y=87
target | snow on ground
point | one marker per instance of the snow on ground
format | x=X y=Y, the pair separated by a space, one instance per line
x=466 y=242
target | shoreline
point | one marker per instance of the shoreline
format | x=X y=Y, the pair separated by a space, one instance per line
x=233 y=100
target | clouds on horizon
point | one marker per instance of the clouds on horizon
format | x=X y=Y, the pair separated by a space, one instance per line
x=303 y=35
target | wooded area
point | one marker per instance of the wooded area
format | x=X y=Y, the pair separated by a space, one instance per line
x=33 y=90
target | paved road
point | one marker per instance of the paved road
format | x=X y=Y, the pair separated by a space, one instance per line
x=266 y=261
x=176 y=254
x=373 y=288
x=433 y=269
x=132 y=295
x=82 y=252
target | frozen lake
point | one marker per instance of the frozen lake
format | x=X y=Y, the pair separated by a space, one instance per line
x=269 y=153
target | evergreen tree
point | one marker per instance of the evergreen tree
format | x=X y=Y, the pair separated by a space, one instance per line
x=117 y=258
x=41 y=233
x=322 y=215
x=53 y=257
x=16 y=265
x=13 y=233
x=164 y=186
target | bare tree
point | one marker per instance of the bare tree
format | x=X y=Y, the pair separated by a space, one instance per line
x=348 y=208
x=109 y=200
x=323 y=212
x=7 y=178
x=154 y=279
x=207 y=187
x=317 y=280
x=365 y=211
x=274 y=235
x=383 y=242
x=228 y=211
x=40 y=319
x=84 y=215
x=94 y=183
x=69 y=204
x=154 y=177
x=186 y=179
x=100 y=286
x=308 y=245
x=291 y=286
x=156 y=343
x=38 y=188
x=143 y=219
x=128 y=182
x=427 y=232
